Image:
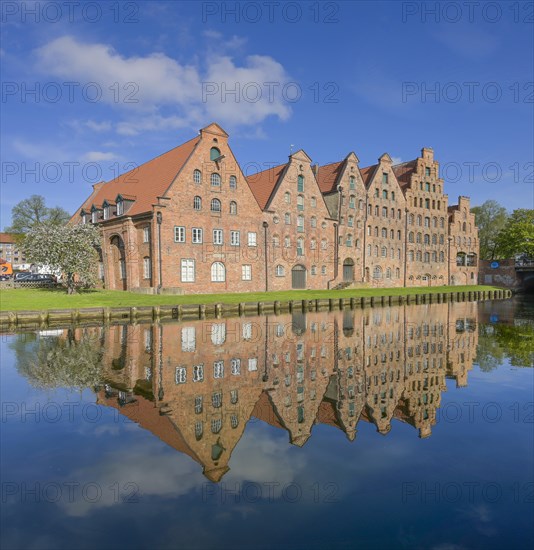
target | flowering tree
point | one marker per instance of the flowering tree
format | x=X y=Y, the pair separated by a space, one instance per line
x=71 y=249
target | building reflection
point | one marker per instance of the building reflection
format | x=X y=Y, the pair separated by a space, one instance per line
x=196 y=384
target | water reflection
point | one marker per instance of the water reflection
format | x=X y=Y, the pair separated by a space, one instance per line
x=196 y=384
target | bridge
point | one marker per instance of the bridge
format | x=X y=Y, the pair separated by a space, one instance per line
x=517 y=274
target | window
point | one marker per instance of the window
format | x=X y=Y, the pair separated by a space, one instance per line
x=196 y=235
x=410 y=237
x=146 y=234
x=313 y=221
x=427 y=221
x=427 y=203
x=300 y=184
x=218 y=369
x=215 y=205
x=388 y=273
x=120 y=207
x=214 y=153
x=287 y=218
x=197 y=203
x=300 y=224
x=215 y=180
x=246 y=272
x=280 y=271
x=180 y=375
x=233 y=182
x=384 y=252
x=352 y=201
x=323 y=270
x=179 y=234
x=233 y=208
x=234 y=238
x=314 y=270
x=197 y=176
x=287 y=242
x=218 y=334
x=427 y=186
x=300 y=247
x=384 y=233
x=188 y=271
x=146 y=268
x=324 y=244
x=350 y=221
x=94 y=216
x=122 y=266
x=235 y=365
x=287 y=197
x=107 y=210
x=188 y=339
x=252 y=364
x=427 y=171
x=313 y=202
x=218 y=272
x=217 y=236
x=198 y=374
x=252 y=241
x=384 y=177
x=276 y=241
x=300 y=202
x=313 y=244
x=392 y=195
x=348 y=241
x=377 y=272
x=384 y=212
x=384 y=194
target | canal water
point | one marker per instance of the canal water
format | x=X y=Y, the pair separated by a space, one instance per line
x=389 y=427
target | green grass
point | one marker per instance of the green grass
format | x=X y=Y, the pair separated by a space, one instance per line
x=42 y=299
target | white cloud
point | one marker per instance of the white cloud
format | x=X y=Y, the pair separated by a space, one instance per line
x=396 y=160
x=156 y=92
x=98 y=156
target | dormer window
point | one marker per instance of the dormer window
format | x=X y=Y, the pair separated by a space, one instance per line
x=83 y=217
x=107 y=211
x=120 y=207
x=94 y=216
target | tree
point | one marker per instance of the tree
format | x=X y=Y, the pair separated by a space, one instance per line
x=490 y=219
x=517 y=236
x=71 y=249
x=33 y=211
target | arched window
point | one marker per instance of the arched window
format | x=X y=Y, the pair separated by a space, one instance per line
x=377 y=272
x=287 y=218
x=377 y=210
x=442 y=222
x=397 y=273
x=392 y=195
x=368 y=249
x=434 y=239
x=348 y=241
x=233 y=208
x=427 y=221
x=376 y=231
x=215 y=205
x=300 y=202
x=427 y=257
x=287 y=241
x=435 y=221
x=300 y=246
x=300 y=184
x=376 y=251
x=357 y=243
x=410 y=237
x=350 y=221
x=441 y=239
x=324 y=244
x=391 y=234
x=313 y=244
x=384 y=233
x=313 y=221
x=384 y=252
x=410 y=255
x=300 y=223
x=287 y=197
x=214 y=153
x=427 y=239
x=215 y=180
x=384 y=212
x=360 y=204
x=410 y=219
x=369 y=209
x=197 y=176
x=276 y=241
x=352 y=201
x=441 y=256
x=197 y=203
x=434 y=256
x=388 y=273
x=418 y=256
x=233 y=182
x=418 y=239
x=463 y=226
x=218 y=272
x=280 y=271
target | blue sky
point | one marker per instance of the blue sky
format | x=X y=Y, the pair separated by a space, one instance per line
x=119 y=83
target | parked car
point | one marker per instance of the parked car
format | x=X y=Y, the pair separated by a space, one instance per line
x=5 y=277
x=35 y=278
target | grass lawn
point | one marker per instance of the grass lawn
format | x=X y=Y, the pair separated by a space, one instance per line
x=41 y=299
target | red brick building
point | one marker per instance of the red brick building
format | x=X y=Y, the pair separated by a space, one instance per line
x=189 y=221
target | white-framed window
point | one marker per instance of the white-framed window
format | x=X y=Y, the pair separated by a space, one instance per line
x=120 y=207
x=287 y=218
x=94 y=216
x=146 y=234
x=236 y=367
x=253 y=364
x=218 y=334
x=107 y=210
x=218 y=369
x=252 y=238
x=233 y=208
x=287 y=197
x=314 y=270
x=197 y=203
x=197 y=176
x=313 y=221
x=323 y=270
x=234 y=238
x=215 y=180
x=300 y=246
x=179 y=234
x=217 y=236
x=188 y=271
x=246 y=331
x=196 y=233
x=233 y=182
x=218 y=272
x=300 y=224
x=300 y=202
x=180 y=375
x=313 y=202
x=146 y=268
x=287 y=241
x=324 y=244
x=199 y=404
x=215 y=205
x=280 y=271
x=198 y=373
x=246 y=272
x=189 y=343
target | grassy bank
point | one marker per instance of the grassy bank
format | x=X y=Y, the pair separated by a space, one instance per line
x=43 y=299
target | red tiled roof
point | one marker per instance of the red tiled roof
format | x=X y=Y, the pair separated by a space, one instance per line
x=262 y=184
x=144 y=183
x=403 y=172
x=367 y=173
x=327 y=176
x=7 y=238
